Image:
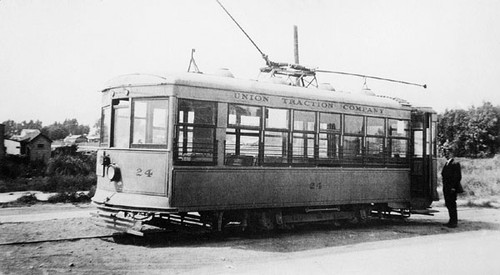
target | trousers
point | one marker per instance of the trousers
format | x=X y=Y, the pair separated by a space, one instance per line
x=451 y=203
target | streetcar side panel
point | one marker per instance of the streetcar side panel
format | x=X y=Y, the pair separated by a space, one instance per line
x=216 y=189
x=140 y=172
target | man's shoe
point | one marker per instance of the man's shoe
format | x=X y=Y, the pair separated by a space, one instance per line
x=451 y=225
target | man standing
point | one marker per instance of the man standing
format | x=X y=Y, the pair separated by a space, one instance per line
x=452 y=175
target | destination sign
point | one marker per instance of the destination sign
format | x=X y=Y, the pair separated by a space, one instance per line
x=307 y=103
x=120 y=93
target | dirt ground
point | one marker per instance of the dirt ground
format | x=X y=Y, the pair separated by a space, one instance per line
x=60 y=243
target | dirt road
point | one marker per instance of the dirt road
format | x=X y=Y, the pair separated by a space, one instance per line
x=48 y=239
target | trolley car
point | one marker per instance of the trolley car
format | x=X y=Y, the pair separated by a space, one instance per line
x=212 y=150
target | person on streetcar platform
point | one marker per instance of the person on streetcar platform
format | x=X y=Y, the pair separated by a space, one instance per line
x=451 y=175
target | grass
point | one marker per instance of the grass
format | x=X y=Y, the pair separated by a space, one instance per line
x=54 y=183
x=480 y=180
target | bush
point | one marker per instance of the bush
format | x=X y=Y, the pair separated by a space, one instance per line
x=13 y=167
x=68 y=165
x=50 y=184
x=27 y=199
x=20 y=184
x=68 y=172
x=71 y=184
x=65 y=150
x=73 y=197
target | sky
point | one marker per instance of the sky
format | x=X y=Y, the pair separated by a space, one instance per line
x=56 y=55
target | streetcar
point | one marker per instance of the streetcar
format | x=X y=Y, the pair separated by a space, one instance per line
x=214 y=150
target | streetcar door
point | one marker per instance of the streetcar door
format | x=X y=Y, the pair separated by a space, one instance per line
x=423 y=162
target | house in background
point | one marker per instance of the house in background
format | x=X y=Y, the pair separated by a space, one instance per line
x=12 y=147
x=32 y=143
x=75 y=139
x=94 y=138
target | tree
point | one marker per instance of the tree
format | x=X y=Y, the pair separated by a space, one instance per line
x=74 y=128
x=471 y=133
x=59 y=130
x=452 y=130
x=13 y=128
x=97 y=127
x=482 y=130
x=31 y=124
x=55 y=131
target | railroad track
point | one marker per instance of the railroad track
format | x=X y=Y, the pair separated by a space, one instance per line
x=58 y=240
x=150 y=234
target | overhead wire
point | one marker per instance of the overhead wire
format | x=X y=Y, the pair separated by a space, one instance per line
x=373 y=77
x=269 y=63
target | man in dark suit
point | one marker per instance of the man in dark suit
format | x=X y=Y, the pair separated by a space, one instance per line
x=452 y=175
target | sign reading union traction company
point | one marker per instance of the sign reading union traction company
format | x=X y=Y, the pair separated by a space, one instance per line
x=313 y=104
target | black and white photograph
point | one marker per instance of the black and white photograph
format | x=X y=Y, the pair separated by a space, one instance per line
x=249 y=137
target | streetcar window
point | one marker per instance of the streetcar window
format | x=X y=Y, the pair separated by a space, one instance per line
x=374 y=146
x=328 y=146
x=276 y=147
x=354 y=125
x=197 y=112
x=105 y=121
x=276 y=118
x=150 y=122
x=418 y=143
x=242 y=147
x=121 y=123
x=428 y=139
x=276 y=141
x=304 y=121
x=375 y=126
x=375 y=140
x=304 y=127
x=398 y=142
x=398 y=148
x=434 y=133
x=329 y=122
x=303 y=148
x=398 y=128
x=243 y=135
x=329 y=137
x=244 y=116
x=352 y=146
x=196 y=132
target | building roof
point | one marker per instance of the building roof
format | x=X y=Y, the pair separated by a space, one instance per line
x=73 y=138
x=28 y=135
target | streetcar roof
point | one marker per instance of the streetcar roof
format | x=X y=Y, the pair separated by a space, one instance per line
x=254 y=86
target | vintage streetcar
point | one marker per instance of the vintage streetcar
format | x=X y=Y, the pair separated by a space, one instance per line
x=213 y=150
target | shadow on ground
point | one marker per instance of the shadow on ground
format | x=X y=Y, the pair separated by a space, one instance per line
x=300 y=238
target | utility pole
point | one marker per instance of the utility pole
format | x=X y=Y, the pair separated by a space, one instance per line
x=296 y=44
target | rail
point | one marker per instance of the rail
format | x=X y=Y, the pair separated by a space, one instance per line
x=58 y=240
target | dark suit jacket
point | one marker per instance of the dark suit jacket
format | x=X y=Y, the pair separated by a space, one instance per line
x=452 y=174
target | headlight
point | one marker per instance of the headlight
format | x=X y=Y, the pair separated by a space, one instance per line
x=113 y=172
